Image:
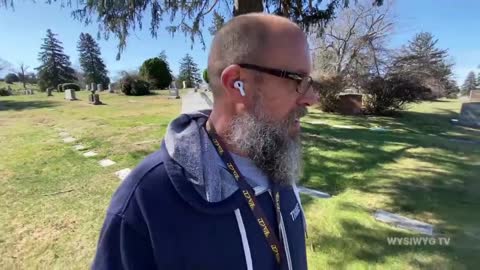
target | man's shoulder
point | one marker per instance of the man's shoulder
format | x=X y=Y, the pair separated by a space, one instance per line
x=149 y=176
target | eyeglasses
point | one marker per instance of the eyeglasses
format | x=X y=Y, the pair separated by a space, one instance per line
x=304 y=83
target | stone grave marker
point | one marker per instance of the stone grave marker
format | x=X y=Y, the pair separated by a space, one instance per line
x=379 y=129
x=69 y=139
x=87 y=87
x=123 y=173
x=110 y=88
x=99 y=87
x=403 y=222
x=92 y=87
x=70 y=94
x=106 y=162
x=474 y=96
x=90 y=154
x=342 y=126
x=469 y=115
x=313 y=192
x=79 y=147
x=96 y=99
x=49 y=91
x=184 y=84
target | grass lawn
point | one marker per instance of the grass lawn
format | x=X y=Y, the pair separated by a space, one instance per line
x=413 y=169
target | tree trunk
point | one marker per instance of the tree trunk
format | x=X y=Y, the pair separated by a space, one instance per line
x=247 y=6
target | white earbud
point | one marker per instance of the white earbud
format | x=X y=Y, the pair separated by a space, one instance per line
x=239 y=86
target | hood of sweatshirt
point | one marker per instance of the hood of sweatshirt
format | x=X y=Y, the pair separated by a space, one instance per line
x=194 y=158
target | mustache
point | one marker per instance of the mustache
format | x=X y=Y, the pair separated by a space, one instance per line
x=297 y=114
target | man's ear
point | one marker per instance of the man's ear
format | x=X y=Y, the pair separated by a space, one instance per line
x=229 y=76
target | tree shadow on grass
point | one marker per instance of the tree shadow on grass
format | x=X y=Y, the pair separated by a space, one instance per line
x=13 y=105
x=449 y=197
x=341 y=158
x=360 y=240
x=437 y=182
x=338 y=158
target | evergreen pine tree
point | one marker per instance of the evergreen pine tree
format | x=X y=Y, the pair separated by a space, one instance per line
x=189 y=71
x=91 y=61
x=422 y=60
x=56 y=67
x=469 y=84
x=163 y=57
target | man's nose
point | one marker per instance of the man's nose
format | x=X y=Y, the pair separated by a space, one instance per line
x=310 y=98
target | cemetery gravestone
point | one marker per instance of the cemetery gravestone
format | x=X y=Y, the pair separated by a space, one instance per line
x=470 y=111
x=470 y=114
x=49 y=92
x=110 y=88
x=92 y=87
x=174 y=93
x=475 y=96
x=350 y=104
x=99 y=87
x=96 y=100
x=87 y=87
x=70 y=94
x=184 y=84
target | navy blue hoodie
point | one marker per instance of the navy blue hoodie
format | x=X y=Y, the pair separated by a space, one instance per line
x=179 y=210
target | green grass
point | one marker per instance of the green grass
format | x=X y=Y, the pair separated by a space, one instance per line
x=414 y=169
x=17 y=87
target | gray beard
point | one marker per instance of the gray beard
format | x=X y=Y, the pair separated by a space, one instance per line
x=268 y=144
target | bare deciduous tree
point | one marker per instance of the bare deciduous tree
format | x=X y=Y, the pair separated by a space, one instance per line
x=354 y=42
x=22 y=74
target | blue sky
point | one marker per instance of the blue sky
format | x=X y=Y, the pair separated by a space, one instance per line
x=455 y=23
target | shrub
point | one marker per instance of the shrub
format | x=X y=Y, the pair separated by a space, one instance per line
x=11 y=78
x=328 y=88
x=4 y=92
x=73 y=86
x=205 y=75
x=388 y=95
x=156 y=72
x=133 y=85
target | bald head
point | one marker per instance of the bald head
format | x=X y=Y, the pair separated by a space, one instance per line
x=249 y=38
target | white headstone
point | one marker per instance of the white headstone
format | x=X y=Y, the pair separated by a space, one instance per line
x=79 y=147
x=106 y=162
x=69 y=139
x=87 y=87
x=342 y=126
x=64 y=134
x=110 y=88
x=92 y=87
x=184 y=84
x=70 y=94
x=404 y=222
x=90 y=154
x=99 y=87
x=123 y=173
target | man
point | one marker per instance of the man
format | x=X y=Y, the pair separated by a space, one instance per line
x=220 y=193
